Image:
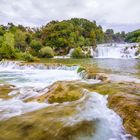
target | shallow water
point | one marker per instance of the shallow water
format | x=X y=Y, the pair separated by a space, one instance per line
x=30 y=81
x=120 y=66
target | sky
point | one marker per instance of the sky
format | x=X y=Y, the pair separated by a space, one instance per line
x=117 y=14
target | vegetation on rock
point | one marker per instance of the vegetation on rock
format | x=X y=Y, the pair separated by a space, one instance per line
x=127 y=106
x=61 y=92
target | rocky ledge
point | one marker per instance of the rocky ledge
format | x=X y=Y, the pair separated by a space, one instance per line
x=128 y=107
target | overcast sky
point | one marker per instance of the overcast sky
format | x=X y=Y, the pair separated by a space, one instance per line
x=116 y=14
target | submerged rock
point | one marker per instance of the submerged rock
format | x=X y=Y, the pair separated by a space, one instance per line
x=102 y=76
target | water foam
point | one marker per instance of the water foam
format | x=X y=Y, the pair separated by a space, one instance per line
x=93 y=107
x=125 y=51
x=29 y=81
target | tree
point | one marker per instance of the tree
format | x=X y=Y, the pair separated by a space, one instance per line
x=20 y=40
x=35 y=46
x=109 y=35
x=7 y=49
x=93 y=39
x=133 y=36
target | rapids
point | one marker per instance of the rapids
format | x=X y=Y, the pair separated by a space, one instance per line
x=29 y=81
x=32 y=80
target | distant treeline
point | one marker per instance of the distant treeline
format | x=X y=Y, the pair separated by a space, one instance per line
x=55 y=38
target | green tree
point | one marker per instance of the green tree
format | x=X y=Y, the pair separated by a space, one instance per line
x=35 y=46
x=93 y=39
x=7 y=49
x=20 y=40
x=133 y=36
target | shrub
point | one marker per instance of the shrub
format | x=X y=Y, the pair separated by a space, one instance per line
x=77 y=53
x=46 y=52
x=80 y=69
x=26 y=57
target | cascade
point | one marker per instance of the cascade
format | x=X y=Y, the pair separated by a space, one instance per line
x=116 y=50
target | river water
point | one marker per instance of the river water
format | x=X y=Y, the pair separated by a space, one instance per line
x=30 y=80
x=120 y=66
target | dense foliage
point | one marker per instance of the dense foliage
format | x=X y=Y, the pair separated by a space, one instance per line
x=62 y=36
x=46 y=52
x=18 y=42
x=133 y=36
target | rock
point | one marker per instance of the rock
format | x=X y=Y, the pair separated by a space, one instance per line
x=5 y=90
x=61 y=92
x=66 y=91
x=128 y=107
x=51 y=123
x=102 y=76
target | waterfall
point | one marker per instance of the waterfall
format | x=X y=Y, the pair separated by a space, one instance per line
x=70 y=52
x=116 y=50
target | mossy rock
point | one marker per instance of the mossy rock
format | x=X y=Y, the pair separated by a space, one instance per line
x=61 y=92
x=67 y=91
x=128 y=107
x=5 y=90
x=80 y=69
x=51 y=123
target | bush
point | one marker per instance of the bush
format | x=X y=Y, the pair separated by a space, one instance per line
x=77 y=53
x=80 y=69
x=46 y=52
x=7 y=52
x=26 y=57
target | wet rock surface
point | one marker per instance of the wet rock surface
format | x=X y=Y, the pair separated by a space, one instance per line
x=46 y=124
x=128 y=107
x=5 y=89
x=64 y=100
x=62 y=92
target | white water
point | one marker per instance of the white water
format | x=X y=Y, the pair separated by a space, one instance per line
x=66 y=56
x=113 y=50
x=34 y=76
x=31 y=80
x=116 y=50
x=93 y=107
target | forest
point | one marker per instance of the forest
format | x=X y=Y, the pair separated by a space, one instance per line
x=56 y=38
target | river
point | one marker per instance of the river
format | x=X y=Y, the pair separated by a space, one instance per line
x=32 y=80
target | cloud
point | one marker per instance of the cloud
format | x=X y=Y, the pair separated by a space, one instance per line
x=117 y=14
